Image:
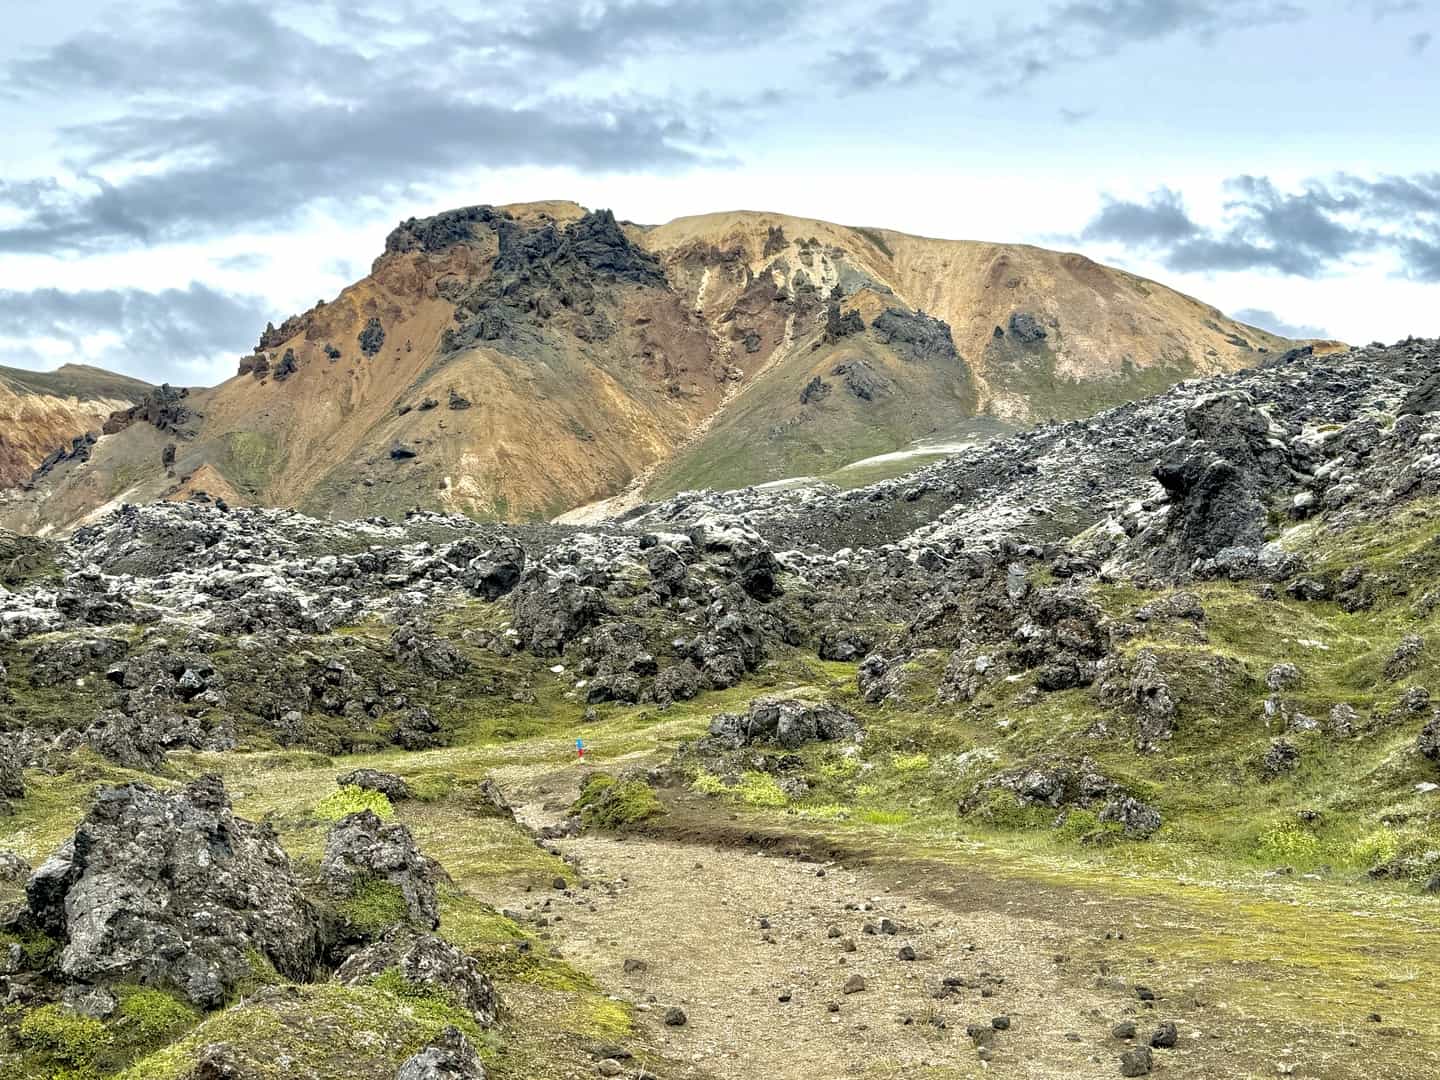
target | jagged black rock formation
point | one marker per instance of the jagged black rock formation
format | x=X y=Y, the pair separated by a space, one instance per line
x=916 y=336
x=172 y=889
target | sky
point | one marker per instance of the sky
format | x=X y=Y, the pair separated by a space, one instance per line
x=177 y=174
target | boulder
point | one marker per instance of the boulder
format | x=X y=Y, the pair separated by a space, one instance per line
x=1150 y=699
x=173 y=889
x=552 y=609
x=12 y=778
x=789 y=722
x=1428 y=742
x=428 y=964
x=391 y=786
x=495 y=573
x=1217 y=477
x=449 y=1057
x=680 y=682
x=361 y=849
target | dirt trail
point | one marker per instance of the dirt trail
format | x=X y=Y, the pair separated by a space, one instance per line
x=697 y=916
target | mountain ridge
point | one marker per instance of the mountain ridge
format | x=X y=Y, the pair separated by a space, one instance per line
x=518 y=362
x=47 y=412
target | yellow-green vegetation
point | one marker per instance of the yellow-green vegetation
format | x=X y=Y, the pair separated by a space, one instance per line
x=353 y=800
x=64 y=1036
x=147 y=1017
x=373 y=905
x=608 y=803
x=750 y=788
x=323 y=1030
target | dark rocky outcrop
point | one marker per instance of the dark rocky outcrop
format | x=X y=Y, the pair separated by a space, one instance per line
x=372 y=337
x=786 y=722
x=429 y=964
x=1218 y=478
x=553 y=609
x=172 y=889
x=361 y=851
x=391 y=786
x=816 y=390
x=916 y=335
x=162 y=408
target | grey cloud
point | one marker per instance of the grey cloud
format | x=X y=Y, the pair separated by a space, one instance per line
x=1308 y=233
x=1420 y=42
x=1071 y=117
x=1067 y=35
x=1268 y=320
x=1162 y=219
x=291 y=120
x=164 y=335
x=587 y=34
x=244 y=263
x=1422 y=256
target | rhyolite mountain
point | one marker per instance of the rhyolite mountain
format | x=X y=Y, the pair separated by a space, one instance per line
x=47 y=414
x=519 y=362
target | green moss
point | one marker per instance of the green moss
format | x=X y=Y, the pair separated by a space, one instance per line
x=607 y=803
x=148 y=1017
x=429 y=1003
x=1085 y=827
x=374 y=905
x=37 y=948
x=352 y=800
x=65 y=1036
x=1002 y=809
x=324 y=1031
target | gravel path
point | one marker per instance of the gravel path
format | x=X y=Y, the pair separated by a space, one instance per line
x=757 y=949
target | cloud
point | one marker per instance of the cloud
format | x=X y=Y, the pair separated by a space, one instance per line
x=1071 y=117
x=920 y=49
x=244 y=263
x=1268 y=320
x=180 y=335
x=1162 y=219
x=1321 y=228
x=183 y=147
x=593 y=34
x=1420 y=42
x=1384 y=9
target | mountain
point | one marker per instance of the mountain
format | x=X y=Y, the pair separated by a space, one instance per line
x=44 y=412
x=519 y=362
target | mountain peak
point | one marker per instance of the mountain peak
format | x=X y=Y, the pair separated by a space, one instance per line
x=524 y=360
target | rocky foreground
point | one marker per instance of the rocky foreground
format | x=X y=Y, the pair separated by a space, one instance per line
x=1098 y=631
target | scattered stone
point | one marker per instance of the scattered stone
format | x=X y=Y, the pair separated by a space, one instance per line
x=1137 y=1061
